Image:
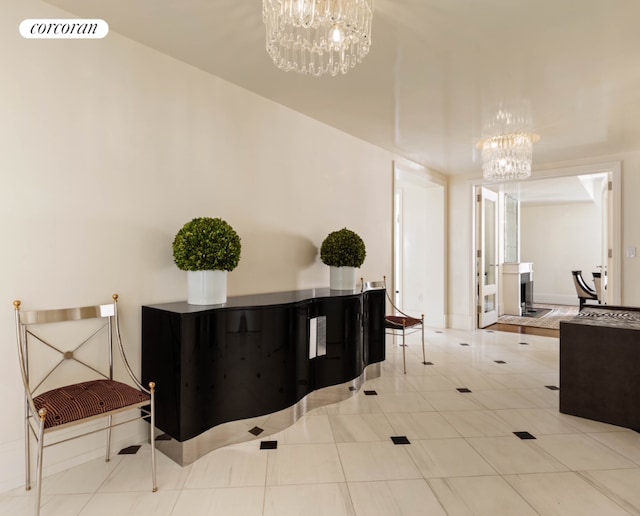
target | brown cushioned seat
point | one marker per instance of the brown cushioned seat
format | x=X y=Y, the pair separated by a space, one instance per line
x=397 y=321
x=87 y=399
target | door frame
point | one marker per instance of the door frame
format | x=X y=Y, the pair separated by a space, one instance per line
x=614 y=282
x=487 y=317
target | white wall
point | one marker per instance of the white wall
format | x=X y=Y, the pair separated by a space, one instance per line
x=108 y=147
x=630 y=284
x=559 y=238
x=461 y=257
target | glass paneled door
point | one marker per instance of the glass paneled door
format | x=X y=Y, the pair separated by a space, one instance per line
x=487 y=257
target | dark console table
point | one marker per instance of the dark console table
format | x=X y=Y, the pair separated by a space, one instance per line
x=599 y=365
x=254 y=365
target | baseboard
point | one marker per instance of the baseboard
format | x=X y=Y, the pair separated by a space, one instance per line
x=462 y=322
x=439 y=322
x=555 y=299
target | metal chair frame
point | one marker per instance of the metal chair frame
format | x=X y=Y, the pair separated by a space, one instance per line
x=27 y=335
x=401 y=325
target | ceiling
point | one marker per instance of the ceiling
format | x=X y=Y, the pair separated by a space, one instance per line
x=436 y=70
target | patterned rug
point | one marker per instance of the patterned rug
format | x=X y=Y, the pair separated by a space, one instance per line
x=616 y=316
x=550 y=319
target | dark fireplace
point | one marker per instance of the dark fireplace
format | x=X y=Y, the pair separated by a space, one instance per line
x=526 y=291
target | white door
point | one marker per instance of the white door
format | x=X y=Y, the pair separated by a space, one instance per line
x=487 y=257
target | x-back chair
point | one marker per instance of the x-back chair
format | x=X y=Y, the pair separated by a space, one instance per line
x=67 y=365
x=399 y=323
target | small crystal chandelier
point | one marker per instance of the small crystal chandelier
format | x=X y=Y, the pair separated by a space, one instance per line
x=316 y=37
x=507 y=157
x=507 y=149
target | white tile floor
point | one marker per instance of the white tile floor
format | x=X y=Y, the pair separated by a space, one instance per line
x=463 y=457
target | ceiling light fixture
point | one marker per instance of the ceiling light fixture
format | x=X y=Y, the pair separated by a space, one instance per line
x=507 y=149
x=316 y=37
x=508 y=157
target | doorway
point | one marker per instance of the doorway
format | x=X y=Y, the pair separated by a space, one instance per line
x=605 y=195
x=419 y=237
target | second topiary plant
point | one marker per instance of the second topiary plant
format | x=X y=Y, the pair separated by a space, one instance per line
x=343 y=251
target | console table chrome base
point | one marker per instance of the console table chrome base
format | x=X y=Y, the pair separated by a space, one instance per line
x=234 y=432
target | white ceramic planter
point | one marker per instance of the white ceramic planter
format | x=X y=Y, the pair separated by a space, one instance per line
x=206 y=287
x=342 y=278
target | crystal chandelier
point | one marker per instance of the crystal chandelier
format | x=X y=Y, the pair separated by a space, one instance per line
x=507 y=149
x=507 y=157
x=316 y=37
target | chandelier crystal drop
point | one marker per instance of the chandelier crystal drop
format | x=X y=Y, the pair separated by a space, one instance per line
x=317 y=37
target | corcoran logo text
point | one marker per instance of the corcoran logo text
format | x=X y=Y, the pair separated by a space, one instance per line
x=64 y=29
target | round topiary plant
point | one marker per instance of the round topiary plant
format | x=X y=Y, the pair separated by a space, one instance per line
x=206 y=243
x=343 y=248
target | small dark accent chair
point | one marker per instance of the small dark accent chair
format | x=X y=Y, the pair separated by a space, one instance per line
x=400 y=323
x=66 y=361
x=584 y=291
